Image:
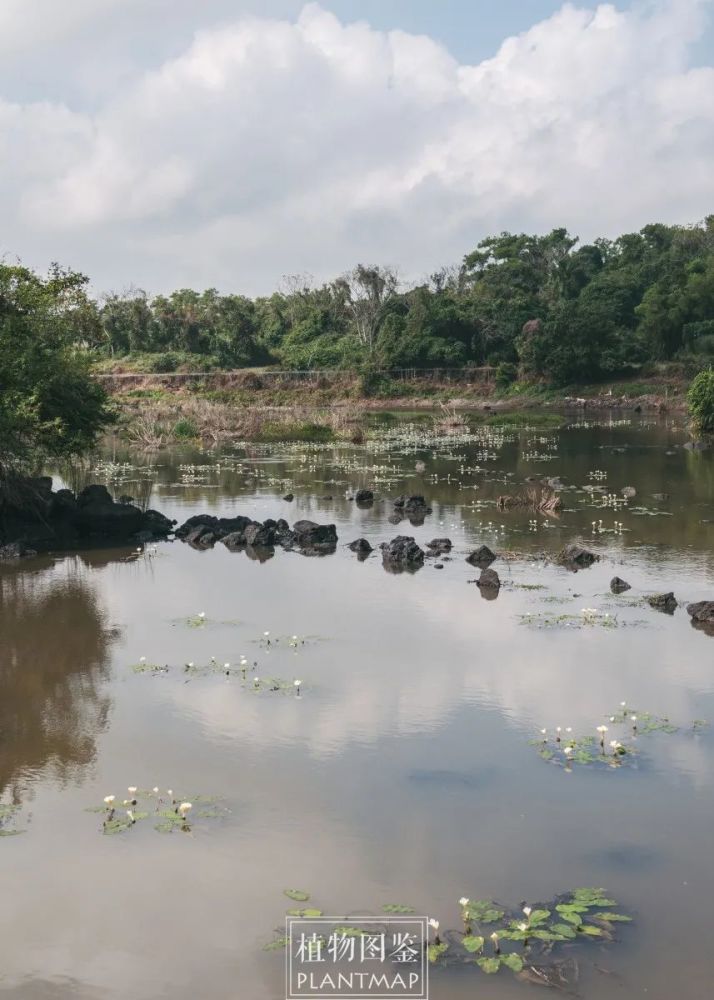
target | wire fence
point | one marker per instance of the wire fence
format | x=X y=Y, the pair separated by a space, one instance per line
x=461 y=375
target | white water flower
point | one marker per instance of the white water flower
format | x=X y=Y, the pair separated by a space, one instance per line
x=142 y=659
x=602 y=729
x=527 y=910
x=297 y=683
x=169 y=791
x=464 y=901
x=543 y=732
x=201 y=614
x=523 y=927
x=633 y=718
x=266 y=633
x=108 y=799
x=494 y=936
x=567 y=750
x=185 y=807
x=226 y=666
x=156 y=791
x=132 y=789
x=612 y=718
x=434 y=923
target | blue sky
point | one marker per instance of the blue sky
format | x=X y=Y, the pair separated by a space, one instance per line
x=164 y=143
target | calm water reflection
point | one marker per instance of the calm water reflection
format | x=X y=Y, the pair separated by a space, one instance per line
x=404 y=771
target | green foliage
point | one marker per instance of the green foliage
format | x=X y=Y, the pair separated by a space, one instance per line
x=701 y=401
x=506 y=374
x=185 y=430
x=539 y=308
x=49 y=404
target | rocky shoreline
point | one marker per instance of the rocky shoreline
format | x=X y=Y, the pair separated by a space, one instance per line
x=40 y=519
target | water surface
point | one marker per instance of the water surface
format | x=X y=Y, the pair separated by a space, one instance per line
x=403 y=772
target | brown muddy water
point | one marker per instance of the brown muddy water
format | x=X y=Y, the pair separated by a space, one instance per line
x=404 y=772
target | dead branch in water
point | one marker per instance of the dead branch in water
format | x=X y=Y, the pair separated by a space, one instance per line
x=544 y=501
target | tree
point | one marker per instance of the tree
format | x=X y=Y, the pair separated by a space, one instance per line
x=367 y=292
x=49 y=404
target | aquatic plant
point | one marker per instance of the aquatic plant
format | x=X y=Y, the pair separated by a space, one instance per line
x=589 y=749
x=601 y=750
x=169 y=811
x=588 y=618
x=524 y=940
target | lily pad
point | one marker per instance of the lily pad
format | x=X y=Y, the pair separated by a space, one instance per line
x=473 y=943
x=298 y=895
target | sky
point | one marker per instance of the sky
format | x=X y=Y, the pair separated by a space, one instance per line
x=167 y=143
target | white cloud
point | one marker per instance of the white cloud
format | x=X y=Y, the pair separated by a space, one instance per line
x=270 y=146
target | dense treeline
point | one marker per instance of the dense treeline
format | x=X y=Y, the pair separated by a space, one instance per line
x=538 y=306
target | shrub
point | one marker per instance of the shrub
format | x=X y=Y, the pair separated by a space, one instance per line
x=701 y=401
x=506 y=374
x=185 y=429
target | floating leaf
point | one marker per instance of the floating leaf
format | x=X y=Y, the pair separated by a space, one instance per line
x=473 y=943
x=397 y=908
x=589 y=929
x=512 y=961
x=484 y=911
x=614 y=918
x=299 y=895
x=565 y=930
x=435 y=951
x=544 y=935
x=276 y=945
x=304 y=913
x=489 y=965
x=538 y=917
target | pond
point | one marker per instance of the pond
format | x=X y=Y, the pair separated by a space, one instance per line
x=408 y=767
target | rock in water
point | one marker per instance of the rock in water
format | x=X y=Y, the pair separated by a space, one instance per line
x=618 y=585
x=439 y=545
x=364 y=498
x=489 y=580
x=402 y=553
x=309 y=535
x=576 y=557
x=702 y=614
x=260 y=535
x=628 y=491
x=663 y=602
x=361 y=546
x=412 y=504
x=481 y=557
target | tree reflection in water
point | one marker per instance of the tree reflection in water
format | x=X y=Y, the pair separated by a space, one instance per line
x=54 y=647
